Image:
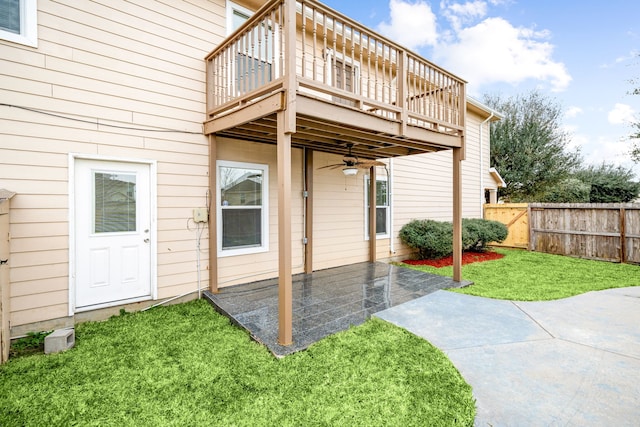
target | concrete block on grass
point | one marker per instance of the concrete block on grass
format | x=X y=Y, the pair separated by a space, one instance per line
x=59 y=340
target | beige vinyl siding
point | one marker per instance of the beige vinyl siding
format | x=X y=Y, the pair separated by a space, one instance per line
x=338 y=215
x=108 y=62
x=471 y=170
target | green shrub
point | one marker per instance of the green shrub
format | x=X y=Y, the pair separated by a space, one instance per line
x=477 y=233
x=434 y=239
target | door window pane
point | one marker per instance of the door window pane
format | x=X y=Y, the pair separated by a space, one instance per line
x=114 y=202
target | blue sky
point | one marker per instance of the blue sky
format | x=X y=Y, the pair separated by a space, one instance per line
x=580 y=54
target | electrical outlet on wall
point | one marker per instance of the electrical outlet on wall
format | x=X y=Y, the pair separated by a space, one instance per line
x=200 y=215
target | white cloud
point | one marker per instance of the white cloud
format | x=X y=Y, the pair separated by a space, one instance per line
x=609 y=150
x=573 y=112
x=496 y=51
x=413 y=25
x=621 y=114
x=463 y=13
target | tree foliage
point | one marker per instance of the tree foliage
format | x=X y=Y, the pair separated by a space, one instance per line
x=609 y=183
x=528 y=146
x=635 y=149
x=570 y=190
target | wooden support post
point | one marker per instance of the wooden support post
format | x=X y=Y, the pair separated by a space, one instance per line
x=308 y=200
x=403 y=63
x=286 y=126
x=459 y=155
x=457 y=214
x=213 y=215
x=285 y=294
x=372 y=214
x=290 y=79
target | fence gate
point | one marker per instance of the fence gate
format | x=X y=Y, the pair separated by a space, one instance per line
x=516 y=217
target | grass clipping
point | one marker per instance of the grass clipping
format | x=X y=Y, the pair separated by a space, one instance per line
x=186 y=365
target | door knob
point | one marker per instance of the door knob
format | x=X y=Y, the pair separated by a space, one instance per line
x=146 y=240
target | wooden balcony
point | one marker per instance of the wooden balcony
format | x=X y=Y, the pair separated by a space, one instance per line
x=338 y=81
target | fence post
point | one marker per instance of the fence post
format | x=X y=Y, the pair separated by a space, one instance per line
x=5 y=201
x=531 y=236
x=623 y=236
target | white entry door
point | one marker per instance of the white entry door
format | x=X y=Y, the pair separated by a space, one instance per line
x=112 y=232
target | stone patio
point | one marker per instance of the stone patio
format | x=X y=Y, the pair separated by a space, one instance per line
x=324 y=302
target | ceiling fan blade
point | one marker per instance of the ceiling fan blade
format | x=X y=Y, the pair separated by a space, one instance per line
x=365 y=164
x=334 y=166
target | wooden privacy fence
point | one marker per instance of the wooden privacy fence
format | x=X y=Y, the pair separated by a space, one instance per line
x=600 y=231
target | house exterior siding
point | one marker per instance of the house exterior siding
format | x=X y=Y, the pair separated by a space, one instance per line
x=102 y=68
x=105 y=77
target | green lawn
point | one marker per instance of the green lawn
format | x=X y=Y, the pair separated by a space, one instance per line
x=534 y=276
x=186 y=365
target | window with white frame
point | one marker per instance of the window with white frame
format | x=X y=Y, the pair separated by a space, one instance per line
x=382 y=207
x=242 y=200
x=343 y=74
x=18 y=21
x=236 y=16
x=253 y=64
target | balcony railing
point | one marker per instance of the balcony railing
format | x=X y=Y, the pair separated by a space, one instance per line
x=336 y=59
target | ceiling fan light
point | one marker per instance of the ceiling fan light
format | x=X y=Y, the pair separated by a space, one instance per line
x=350 y=171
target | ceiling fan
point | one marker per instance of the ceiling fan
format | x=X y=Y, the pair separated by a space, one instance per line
x=350 y=163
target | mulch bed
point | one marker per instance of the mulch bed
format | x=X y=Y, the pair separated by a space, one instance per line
x=467 y=258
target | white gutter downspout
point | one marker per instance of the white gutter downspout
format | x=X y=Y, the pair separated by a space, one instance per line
x=482 y=161
x=392 y=248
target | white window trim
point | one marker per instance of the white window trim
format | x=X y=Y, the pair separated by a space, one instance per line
x=230 y=7
x=366 y=208
x=28 y=25
x=265 y=209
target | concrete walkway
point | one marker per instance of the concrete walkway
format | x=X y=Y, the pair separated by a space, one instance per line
x=570 y=362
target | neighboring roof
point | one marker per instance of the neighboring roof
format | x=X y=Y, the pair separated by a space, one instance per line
x=497 y=178
x=482 y=109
